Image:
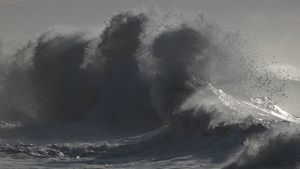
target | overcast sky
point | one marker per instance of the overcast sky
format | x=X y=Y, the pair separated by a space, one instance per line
x=274 y=25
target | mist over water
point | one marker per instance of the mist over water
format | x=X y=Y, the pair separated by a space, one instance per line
x=186 y=88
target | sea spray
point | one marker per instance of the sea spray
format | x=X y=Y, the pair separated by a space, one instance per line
x=202 y=93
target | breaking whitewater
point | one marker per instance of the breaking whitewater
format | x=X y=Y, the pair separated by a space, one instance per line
x=152 y=90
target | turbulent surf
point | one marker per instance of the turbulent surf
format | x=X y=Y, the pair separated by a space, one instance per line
x=152 y=90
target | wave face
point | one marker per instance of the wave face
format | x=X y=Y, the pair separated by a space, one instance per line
x=202 y=92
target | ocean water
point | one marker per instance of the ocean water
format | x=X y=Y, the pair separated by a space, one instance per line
x=152 y=90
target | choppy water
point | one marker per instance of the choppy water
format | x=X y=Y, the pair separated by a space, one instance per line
x=154 y=90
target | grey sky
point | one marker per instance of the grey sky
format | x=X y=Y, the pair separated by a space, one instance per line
x=273 y=24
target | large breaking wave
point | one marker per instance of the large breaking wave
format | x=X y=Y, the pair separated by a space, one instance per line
x=204 y=91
